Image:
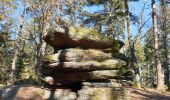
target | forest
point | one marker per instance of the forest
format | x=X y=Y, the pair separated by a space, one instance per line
x=141 y=26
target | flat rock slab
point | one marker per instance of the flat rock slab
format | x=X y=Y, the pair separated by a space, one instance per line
x=101 y=94
x=28 y=92
x=78 y=55
x=102 y=84
x=109 y=64
x=57 y=78
x=71 y=39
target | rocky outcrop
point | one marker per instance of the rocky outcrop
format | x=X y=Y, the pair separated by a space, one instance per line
x=28 y=92
x=105 y=93
x=78 y=55
x=112 y=64
x=85 y=62
x=62 y=77
x=72 y=39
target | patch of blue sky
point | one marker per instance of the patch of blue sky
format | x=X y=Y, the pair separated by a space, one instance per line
x=136 y=8
x=15 y=16
x=92 y=9
x=19 y=9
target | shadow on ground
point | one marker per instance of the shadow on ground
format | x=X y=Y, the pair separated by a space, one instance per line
x=148 y=94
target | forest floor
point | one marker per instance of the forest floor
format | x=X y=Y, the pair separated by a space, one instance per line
x=148 y=94
x=135 y=94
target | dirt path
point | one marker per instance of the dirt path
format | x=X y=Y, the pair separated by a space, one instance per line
x=30 y=91
x=148 y=94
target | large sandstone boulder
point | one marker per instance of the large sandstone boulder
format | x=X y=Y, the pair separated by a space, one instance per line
x=74 y=37
x=116 y=93
x=109 y=64
x=80 y=55
x=103 y=84
x=69 y=77
x=28 y=92
x=86 y=62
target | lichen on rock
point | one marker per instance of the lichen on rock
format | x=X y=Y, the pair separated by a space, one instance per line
x=75 y=37
x=85 y=61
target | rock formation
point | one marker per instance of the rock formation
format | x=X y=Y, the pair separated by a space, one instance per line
x=30 y=92
x=88 y=63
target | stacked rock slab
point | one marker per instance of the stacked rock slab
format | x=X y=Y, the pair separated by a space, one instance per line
x=86 y=62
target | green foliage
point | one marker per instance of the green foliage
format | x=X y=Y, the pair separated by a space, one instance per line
x=108 y=19
x=81 y=32
x=30 y=80
x=6 y=8
x=148 y=69
x=140 y=52
x=1 y=17
x=5 y=56
x=149 y=47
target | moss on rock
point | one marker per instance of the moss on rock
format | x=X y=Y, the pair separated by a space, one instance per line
x=80 y=37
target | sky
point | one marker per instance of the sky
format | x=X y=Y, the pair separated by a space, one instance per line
x=16 y=15
x=19 y=9
x=134 y=7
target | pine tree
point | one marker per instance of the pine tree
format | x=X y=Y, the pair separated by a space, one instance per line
x=160 y=73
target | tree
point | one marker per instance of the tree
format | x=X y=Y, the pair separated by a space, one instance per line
x=163 y=20
x=6 y=8
x=131 y=44
x=149 y=71
x=108 y=19
x=47 y=14
x=14 y=72
x=160 y=73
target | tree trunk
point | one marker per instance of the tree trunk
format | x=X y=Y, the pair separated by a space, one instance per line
x=160 y=74
x=137 y=83
x=165 y=42
x=44 y=24
x=14 y=60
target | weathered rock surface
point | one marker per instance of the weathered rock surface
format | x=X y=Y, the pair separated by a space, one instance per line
x=102 y=84
x=116 y=93
x=87 y=62
x=83 y=66
x=78 y=55
x=83 y=76
x=28 y=92
x=61 y=40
